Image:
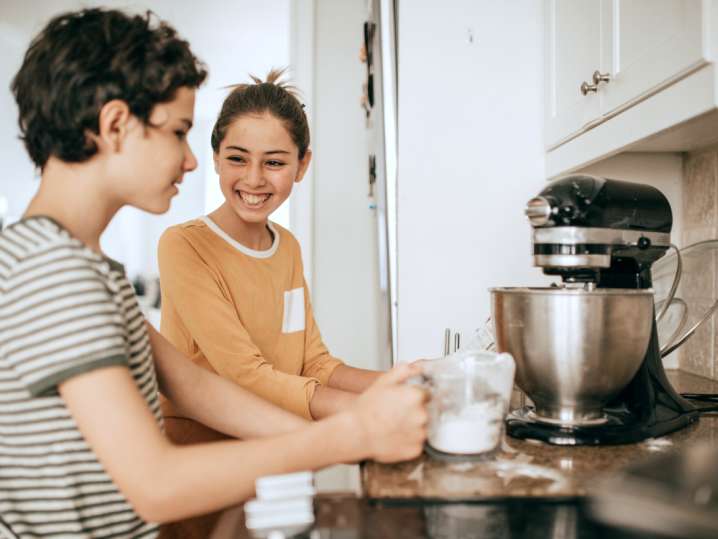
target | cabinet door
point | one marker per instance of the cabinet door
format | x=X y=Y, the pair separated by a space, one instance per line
x=573 y=49
x=648 y=44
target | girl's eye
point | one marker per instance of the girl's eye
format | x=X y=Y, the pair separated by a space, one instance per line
x=235 y=159
x=275 y=163
x=181 y=134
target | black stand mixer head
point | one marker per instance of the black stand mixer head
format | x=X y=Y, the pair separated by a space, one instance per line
x=606 y=234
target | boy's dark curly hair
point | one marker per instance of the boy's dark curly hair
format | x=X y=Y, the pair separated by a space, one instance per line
x=82 y=60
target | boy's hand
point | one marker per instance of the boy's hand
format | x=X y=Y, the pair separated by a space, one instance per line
x=392 y=416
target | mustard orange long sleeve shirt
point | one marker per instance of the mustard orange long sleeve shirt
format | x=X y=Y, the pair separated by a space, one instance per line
x=243 y=314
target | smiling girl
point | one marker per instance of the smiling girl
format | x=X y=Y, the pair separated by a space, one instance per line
x=233 y=292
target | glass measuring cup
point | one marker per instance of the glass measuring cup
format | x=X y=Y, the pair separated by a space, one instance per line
x=470 y=394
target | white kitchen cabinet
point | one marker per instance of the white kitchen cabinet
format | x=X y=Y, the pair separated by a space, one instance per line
x=649 y=44
x=662 y=92
x=641 y=46
x=572 y=51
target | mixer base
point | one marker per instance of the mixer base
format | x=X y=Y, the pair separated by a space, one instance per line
x=620 y=427
x=458 y=457
x=532 y=414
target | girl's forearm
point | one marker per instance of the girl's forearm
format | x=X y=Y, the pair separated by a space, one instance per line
x=352 y=379
x=214 y=401
x=327 y=401
x=226 y=407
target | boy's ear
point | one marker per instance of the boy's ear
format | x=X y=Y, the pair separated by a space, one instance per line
x=303 y=165
x=113 y=123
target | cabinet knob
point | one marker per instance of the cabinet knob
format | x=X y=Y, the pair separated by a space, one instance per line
x=587 y=88
x=599 y=77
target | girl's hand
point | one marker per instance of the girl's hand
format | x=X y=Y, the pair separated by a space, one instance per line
x=391 y=416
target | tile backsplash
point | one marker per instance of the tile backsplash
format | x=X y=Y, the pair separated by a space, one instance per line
x=700 y=283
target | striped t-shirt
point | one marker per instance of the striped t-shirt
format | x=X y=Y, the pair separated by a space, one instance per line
x=64 y=310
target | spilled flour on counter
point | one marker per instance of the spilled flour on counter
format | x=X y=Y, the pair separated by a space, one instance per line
x=523 y=458
x=508 y=470
x=658 y=444
x=417 y=474
x=461 y=467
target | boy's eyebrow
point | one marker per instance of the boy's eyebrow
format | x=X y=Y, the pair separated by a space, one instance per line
x=245 y=150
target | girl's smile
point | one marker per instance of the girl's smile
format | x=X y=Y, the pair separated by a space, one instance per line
x=258 y=164
x=253 y=200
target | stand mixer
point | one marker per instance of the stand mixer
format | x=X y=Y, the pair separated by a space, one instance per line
x=587 y=351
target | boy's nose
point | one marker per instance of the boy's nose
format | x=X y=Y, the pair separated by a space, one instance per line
x=190 y=161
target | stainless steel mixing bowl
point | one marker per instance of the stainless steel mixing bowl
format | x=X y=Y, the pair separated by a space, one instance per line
x=575 y=349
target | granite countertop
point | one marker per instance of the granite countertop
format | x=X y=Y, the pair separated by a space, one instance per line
x=344 y=516
x=524 y=468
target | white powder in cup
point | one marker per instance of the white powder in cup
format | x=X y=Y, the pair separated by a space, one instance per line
x=475 y=429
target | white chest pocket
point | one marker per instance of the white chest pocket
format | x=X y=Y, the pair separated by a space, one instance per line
x=293 y=311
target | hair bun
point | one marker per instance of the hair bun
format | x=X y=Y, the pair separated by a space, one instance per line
x=275 y=96
x=274 y=78
x=274 y=75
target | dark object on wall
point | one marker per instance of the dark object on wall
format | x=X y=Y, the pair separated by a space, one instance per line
x=368 y=88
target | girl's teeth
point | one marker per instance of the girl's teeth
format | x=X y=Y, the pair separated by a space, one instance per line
x=253 y=199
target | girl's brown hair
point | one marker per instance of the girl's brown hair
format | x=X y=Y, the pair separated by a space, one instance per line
x=273 y=96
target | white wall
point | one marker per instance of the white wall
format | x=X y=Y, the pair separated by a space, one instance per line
x=330 y=208
x=18 y=181
x=470 y=156
x=232 y=38
x=345 y=265
x=302 y=64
